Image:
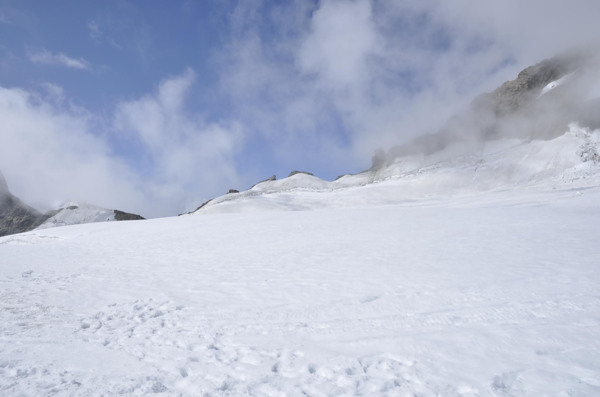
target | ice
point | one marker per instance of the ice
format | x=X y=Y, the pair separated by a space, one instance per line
x=453 y=279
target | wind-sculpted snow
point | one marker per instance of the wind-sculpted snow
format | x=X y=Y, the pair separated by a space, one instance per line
x=366 y=291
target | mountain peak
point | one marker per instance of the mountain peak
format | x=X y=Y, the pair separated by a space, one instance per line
x=3 y=186
x=539 y=104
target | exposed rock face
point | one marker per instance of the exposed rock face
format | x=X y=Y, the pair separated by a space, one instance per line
x=15 y=216
x=3 y=186
x=299 y=172
x=519 y=108
x=272 y=178
x=126 y=216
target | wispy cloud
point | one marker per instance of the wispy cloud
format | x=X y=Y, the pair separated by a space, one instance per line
x=94 y=29
x=44 y=56
x=99 y=35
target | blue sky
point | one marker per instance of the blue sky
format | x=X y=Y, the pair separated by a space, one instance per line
x=156 y=106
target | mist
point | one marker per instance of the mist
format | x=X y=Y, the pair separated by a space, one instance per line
x=539 y=104
x=301 y=85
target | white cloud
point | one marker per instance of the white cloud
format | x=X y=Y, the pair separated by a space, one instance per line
x=341 y=41
x=51 y=151
x=46 y=57
x=338 y=79
x=48 y=155
x=188 y=157
x=319 y=86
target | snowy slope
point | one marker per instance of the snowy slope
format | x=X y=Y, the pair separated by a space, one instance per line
x=571 y=159
x=471 y=277
x=484 y=294
x=75 y=213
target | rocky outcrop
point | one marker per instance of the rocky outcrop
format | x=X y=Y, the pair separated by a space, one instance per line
x=15 y=216
x=299 y=172
x=126 y=216
x=272 y=178
x=518 y=108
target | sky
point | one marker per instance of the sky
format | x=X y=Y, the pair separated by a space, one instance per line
x=154 y=107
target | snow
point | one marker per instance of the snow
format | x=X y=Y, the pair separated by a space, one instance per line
x=75 y=213
x=466 y=286
x=557 y=83
x=571 y=159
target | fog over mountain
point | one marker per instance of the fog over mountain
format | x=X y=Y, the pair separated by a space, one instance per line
x=18 y=217
x=15 y=216
x=539 y=104
x=156 y=108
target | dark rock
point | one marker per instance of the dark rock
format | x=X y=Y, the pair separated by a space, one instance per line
x=15 y=216
x=232 y=191
x=272 y=178
x=201 y=205
x=299 y=172
x=125 y=216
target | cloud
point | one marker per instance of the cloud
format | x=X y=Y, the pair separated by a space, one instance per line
x=328 y=83
x=150 y=156
x=46 y=57
x=94 y=29
x=99 y=35
x=48 y=154
x=187 y=157
x=314 y=85
x=341 y=40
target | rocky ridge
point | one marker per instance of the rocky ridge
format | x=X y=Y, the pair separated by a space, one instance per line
x=17 y=217
x=539 y=104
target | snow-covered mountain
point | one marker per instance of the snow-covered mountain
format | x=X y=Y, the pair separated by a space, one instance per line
x=539 y=104
x=466 y=269
x=75 y=213
x=18 y=217
x=570 y=160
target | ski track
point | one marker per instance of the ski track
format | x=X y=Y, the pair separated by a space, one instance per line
x=465 y=301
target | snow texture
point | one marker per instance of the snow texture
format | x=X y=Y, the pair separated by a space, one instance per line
x=470 y=278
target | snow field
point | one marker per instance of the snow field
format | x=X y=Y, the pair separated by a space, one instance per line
x=484 y=294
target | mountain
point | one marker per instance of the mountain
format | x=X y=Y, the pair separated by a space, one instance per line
x=75 y=213
x=539 y=104
x=539 y=130
x=571 y=160
x=464 y=267
x=17 y=217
